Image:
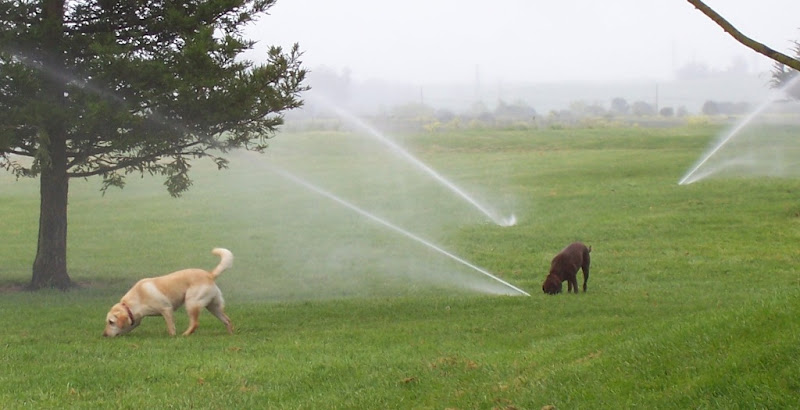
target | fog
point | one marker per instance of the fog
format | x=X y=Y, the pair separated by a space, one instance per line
x=448 y=53
x=510 y=41
x=762 y=143
x=367 y=56
x=316 y=218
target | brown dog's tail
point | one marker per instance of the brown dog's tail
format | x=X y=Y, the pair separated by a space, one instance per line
x=225 y=262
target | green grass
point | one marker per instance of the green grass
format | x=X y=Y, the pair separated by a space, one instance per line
x=693 y=301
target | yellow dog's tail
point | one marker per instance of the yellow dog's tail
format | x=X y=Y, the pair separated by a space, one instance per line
x=226 y=261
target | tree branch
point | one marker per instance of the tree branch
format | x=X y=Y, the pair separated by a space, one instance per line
x=13 y=151
x=747 y=41
x=132 y=162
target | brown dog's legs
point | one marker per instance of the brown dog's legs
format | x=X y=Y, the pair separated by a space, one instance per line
x=585 y=277
x=573 y=284
x=585 y=267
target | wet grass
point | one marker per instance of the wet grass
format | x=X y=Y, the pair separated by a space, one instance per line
x=692 y=303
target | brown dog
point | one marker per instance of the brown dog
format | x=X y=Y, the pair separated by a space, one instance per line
x=564 y=267
x=162 y=295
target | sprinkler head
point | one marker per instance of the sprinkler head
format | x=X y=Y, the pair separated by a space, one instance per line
x=510 y=221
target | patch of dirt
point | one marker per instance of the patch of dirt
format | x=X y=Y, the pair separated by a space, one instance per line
x=15 y=287
x=11 y=287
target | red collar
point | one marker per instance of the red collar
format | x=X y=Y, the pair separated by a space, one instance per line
x=130 y=314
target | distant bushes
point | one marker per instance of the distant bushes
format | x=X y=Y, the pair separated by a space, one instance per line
x=413 y=117
x=725 y=108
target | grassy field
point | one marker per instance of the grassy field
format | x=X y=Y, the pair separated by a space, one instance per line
x=693 y=302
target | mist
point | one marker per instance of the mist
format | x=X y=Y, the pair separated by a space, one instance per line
x=300 y=242
x=427 y=64
x=515 y=41
x=547 y=61
x=450 y=54
x=760 y=144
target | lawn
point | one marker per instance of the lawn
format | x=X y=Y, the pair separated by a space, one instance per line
x=693 y=300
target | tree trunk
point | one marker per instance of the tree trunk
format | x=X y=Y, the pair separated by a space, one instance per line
x=50 y=265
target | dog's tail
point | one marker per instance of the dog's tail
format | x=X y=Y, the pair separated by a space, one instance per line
x=225 y=262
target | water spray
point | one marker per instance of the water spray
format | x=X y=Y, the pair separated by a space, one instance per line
x=340 y=201
x=499 y=220
x=774 y=96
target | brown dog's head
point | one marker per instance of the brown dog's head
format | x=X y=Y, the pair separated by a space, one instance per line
x=119 y=321
x=551 y=285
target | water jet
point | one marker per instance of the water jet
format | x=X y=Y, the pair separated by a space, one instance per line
x=702 y=170
x=308 y=185
x=396 y=148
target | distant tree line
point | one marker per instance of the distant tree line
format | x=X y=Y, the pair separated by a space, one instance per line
x=725 y=108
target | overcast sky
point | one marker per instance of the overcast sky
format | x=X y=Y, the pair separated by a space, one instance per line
x=532 y=41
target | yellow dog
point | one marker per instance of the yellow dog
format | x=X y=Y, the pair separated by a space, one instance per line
x=162 y=295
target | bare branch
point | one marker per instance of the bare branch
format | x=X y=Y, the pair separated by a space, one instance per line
x=747 y=41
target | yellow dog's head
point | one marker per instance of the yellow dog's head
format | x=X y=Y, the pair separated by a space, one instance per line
x=119 y=320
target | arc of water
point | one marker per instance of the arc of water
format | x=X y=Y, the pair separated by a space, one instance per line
x=340 y=201
x=509 y=221
x=687 y=179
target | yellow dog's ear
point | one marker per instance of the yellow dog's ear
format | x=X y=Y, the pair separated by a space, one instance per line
x=121 y=316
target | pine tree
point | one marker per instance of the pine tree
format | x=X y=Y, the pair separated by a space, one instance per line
x=112 y=87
